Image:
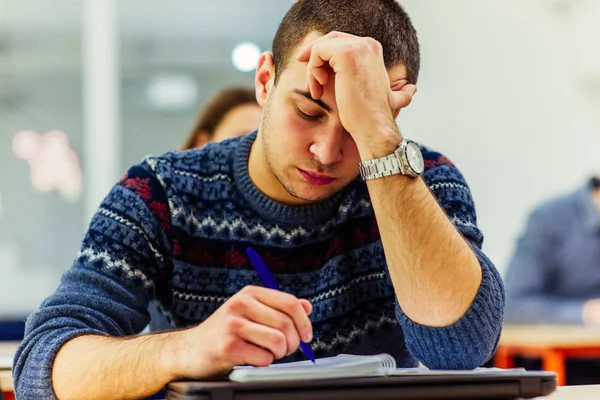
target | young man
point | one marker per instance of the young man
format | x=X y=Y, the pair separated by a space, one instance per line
x=391 y=265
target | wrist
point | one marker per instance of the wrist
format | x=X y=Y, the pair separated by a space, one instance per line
x=172 y=354
x=381 y=145
x=184 y=356
x=379 y=140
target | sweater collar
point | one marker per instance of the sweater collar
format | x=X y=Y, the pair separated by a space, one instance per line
x=309 y=215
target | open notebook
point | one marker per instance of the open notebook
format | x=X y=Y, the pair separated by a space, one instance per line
x=341 y=366
x=345 y=366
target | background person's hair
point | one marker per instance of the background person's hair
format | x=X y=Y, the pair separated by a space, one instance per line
x=216 y=109
x=383 y=20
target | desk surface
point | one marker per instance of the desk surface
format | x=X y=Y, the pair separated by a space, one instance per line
x=591 y=392
x=7 y=353
x=560 y=336
x=588 y=392
x=544 y=336
x=6 y=383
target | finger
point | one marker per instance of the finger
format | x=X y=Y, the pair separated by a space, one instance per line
x=262 y=336
x=267 y=316
x=313 y=86
x=307 y=306
x=410 y=88
x=254 y=355
x=290 y=305
x=241 y=352
x=321 y=74
x=316 y=74
x=402 y=98
x=321 y=66
x=304 y=53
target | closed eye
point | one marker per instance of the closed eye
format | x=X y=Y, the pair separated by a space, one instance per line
x=308 y=116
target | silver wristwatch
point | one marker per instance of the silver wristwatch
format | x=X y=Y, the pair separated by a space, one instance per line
x=406 y=160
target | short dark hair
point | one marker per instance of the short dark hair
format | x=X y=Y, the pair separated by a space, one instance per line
x=216 y=109
x=383 y=20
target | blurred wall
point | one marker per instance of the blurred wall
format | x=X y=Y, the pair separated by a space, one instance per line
x=507 y=92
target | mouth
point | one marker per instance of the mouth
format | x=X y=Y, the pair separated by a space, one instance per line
x=315 y=178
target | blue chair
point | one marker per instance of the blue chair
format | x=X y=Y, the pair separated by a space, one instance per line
x=12 y=330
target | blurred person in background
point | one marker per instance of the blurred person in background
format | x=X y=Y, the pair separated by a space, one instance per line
x=554 y=274
x=229 y=113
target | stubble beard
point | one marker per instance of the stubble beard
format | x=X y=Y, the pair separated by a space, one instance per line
x=282 y=177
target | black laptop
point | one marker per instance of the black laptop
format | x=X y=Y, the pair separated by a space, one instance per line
x=517 y=385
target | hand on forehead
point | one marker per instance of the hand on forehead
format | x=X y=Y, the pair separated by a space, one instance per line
x=363 y=81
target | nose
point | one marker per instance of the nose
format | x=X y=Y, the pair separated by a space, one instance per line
x=327 y=145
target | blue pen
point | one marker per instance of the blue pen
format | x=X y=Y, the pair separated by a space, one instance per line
x=269 y=282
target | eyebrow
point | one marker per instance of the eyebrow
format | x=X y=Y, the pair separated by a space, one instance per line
x=307 y=95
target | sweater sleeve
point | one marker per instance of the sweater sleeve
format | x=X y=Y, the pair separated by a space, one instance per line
x=119 y=269
x=471 y=341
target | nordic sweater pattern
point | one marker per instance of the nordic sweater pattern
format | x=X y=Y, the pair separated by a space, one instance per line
x=167 y=247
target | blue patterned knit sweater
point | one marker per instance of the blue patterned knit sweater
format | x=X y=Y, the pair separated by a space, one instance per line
x=169 y=243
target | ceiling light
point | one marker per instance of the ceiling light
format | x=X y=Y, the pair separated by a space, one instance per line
x=245 y=56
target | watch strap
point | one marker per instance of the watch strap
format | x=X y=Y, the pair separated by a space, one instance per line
x=380 y=167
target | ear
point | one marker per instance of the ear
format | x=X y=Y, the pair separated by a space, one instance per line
x=265 y=77
x=202 y=137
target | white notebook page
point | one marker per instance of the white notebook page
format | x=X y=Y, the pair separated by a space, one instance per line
x=341 y=366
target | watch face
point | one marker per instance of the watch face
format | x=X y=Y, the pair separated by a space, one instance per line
x=415 y=158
